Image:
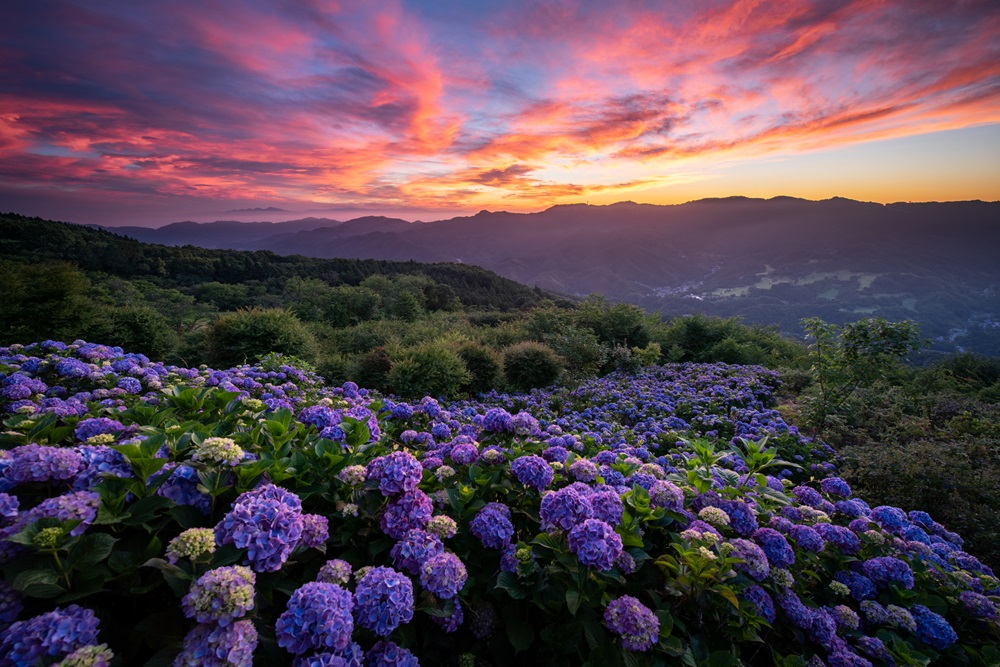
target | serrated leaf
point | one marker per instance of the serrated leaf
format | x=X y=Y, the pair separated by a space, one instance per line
x=38 y=584
x=520 y=632
x=573 y=601
x=508 y=581
x=92 y=549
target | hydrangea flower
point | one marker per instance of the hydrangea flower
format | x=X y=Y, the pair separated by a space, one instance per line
x=532 y=471
x=933 y=629
x=353 y=475
x=383 y=600
x=406 y=512
x=397 y=473
x=607 y=505
x=315 y=531
x=414 y=549
x=443 y=574
x=218 y=450
x=80 y=505
x=887 y=570
x=443 y=526
x=483 y=620
x=595 y=543
x=52 y=634
x=452 y=621
x=498 y=420
x=388 y=654
x=761 y=602
x=583 y=470
x=807 y=538
x=335 y=571
x=212 y=645
x=977 y=605
x=754 y=560
x=192 y=543
x=835 y=486
x=564 y=509
x=350 y=657
x=182 y=487
x=221 y=595
x=464 y=454
x=666 y=495
x=10 y=604
x=88 y=428
x=779 y=552
x=41 y=463
x=317 y=618
x=267 y=522
x=492 y=526
x=839 y=536
x=635 y=623
x=88 y=656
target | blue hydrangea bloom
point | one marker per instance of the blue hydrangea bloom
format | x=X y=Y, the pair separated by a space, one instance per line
x=221 y=595
x=212 y=645
x=318 y=618
x=564 y=509
x=41 y=463
x=754 y=560
x=886 y=570
x=443 y=575
x=835 y=486
x=383 y=600
x=350 y=657
x=761 y=602
x=666 y=495
x=54 y=633
x=932 y=628
x=634 y=622
x=779 y=553
x=807 y=538
x=416 y=547
x=398 y=473
x=595 y=543
x=607 y=505
x=532 y=471
x=388 y=654
x=839 y=536
x=88 y=428
x=498 y=420
x=861 y=587
x=267 y=522
x=406 y=512
x=492 y=526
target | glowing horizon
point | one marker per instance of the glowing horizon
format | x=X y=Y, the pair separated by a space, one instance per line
x=138 y=114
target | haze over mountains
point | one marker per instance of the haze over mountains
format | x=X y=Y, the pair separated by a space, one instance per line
x=771 y=261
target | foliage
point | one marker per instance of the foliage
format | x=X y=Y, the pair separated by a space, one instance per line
x=433 y=368
x=483 y=365
x=847 y=358
x=636 y=520
x=529 y=364
x=243 y=336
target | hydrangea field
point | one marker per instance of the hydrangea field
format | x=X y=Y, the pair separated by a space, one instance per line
x=158 y=515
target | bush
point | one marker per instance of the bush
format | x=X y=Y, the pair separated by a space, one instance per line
x=138 y=328
x=483 y=366
x=431 y=369
x=245 y=335
x=529 y=364
x=373 y=368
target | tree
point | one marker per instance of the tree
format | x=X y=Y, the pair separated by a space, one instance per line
x=857 y=355
x=530 y=364
x=245 y=335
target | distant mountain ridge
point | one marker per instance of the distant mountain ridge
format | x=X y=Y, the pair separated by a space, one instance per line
x=772 y=261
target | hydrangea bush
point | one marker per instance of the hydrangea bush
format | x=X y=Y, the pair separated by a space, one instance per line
x=157 y=515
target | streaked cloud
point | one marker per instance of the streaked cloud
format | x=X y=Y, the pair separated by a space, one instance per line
x=456 y=106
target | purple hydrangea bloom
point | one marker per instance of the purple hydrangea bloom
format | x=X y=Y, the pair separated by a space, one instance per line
x=406 y=512
x=88 y=428
x=823 y=629
x=874 y=648
x=892 y=519
x=532 y=471
x=483 y=620
x=54 y=633
x=212 y=645
x=267 y=522
x=335 y=571
x=800 y=615
x=10 y=604
x=40 y=463
x=634 y=622
x=839 y=536
x=851 y=508
x=492 y=526
x=8 y=506
x=835 y=486
x=754 y=560
x=921 y=518
x=779 y=553
x=977 y=605
x=741 y=517
x=79 y=505
x=807 y=496
x=595 y=543
x=182 y=487
x=933 y=629
x=221 y=595
x=388 y=654
x=400 y=473
x=607 y=506
x=762 y=603
x=99 y=462
x=564 y=509
x=498 y=420
x=416 y=547
x=317 y=618
x=464 y=454
x=886 y=570
x=130 y=385
x=583 y=470
x=861 y=587
x=315 y=530
x=443 y=575
x=844 y=657
x=666 y=495
x=383 y=601
x=807 y=538
x=351 y=657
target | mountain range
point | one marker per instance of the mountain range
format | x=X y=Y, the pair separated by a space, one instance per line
x=770 y=261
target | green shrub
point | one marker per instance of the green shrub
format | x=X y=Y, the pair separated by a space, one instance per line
x=373 y=368
x=138 y=329
x=431 y=369
x=335 y=369
x=246 y=335
x=483 y=366
x=530 y=364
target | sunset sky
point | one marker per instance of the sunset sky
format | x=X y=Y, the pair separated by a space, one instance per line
x=152 y=112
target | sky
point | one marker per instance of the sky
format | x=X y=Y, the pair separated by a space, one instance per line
x=146 y=113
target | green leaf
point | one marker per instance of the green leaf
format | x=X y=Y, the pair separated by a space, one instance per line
x=92 y=549
x=144 y=509
x=520 y=631
x=508 y=581
x=38 y=583
x=573 y=601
